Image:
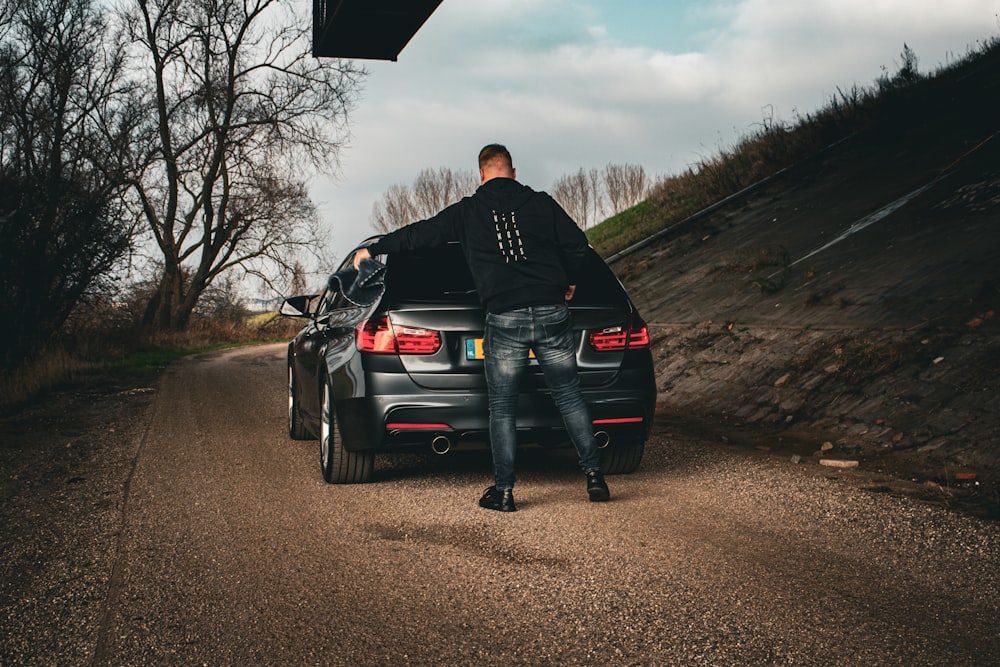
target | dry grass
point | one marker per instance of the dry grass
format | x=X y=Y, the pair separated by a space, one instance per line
x=53 y=366
x=85 y=351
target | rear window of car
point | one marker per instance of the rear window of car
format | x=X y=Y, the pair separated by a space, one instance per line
x=441 y=275
x=434 y=274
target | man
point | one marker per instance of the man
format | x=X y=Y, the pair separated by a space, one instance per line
x=524 y=253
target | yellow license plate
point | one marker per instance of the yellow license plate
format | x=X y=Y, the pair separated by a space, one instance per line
x=474 y=349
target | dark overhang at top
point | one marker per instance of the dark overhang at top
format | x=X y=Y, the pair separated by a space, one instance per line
x=367 y=29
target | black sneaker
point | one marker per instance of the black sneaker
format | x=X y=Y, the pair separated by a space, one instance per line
x=495 y=499
x=597 y=489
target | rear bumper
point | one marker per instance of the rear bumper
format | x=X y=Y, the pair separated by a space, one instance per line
x=399 y=421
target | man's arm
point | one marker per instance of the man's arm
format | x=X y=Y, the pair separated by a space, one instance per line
x=421 y=234
x=572 y=242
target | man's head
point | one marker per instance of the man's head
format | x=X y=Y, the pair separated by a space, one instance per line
x=495 y=162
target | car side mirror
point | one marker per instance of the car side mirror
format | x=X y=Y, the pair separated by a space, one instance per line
x=298 y=306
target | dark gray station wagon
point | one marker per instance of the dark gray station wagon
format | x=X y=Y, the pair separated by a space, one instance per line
x=406 y=374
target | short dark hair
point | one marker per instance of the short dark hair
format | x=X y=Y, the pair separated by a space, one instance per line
x=493 y=152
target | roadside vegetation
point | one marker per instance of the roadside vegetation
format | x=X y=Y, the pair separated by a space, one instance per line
x=96 y=342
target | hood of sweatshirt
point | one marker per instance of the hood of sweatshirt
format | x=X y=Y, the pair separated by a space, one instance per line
x=504 y=193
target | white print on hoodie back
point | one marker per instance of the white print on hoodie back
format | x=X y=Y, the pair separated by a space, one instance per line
x=508 y=237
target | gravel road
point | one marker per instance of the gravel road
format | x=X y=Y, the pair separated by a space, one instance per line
x=198 y=533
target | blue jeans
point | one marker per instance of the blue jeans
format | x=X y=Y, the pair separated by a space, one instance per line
x=549 y=331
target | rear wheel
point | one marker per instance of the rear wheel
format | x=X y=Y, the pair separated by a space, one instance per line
x=340 y=466
x=296 y=427
x=622 y=458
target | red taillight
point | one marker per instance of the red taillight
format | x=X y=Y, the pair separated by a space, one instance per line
x=414 y=340
x=609 y=340
x=638 y=334
x=616 y=339
x=375 y=336
x=379 y=336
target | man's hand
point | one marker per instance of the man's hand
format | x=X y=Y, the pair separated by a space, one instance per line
x=360 y=254
x=570 y=292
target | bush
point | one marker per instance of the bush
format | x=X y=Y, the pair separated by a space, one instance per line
x=59 y=243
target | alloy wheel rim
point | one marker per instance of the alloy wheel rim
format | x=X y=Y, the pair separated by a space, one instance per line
x=324 y=438
x=291 y=396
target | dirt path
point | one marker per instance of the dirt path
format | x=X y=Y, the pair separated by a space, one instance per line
x=227 y=548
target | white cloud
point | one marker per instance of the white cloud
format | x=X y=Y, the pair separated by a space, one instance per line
x=786 y=45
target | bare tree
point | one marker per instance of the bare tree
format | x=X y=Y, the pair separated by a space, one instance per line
x=394 y=210
x=432 y=191
x=595 y=185
x=298 y=283
x=435 y=190
x=240 y=115
x=577 y=194
x=614 y=182
x=625 y=185
x=590 y=196
x=61 y=129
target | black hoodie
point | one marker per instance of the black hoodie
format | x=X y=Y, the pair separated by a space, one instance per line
x=521 y=246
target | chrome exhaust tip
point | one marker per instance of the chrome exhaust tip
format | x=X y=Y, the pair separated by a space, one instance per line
x=603 y=439
x=441 y=445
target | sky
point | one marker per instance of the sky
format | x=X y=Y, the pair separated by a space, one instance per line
x=566 y=84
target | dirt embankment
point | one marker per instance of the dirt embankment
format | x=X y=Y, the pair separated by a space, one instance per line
x=850 y=301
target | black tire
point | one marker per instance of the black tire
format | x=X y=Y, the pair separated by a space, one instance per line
x=340 y=466
x=296 y=426
x=622 y=458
